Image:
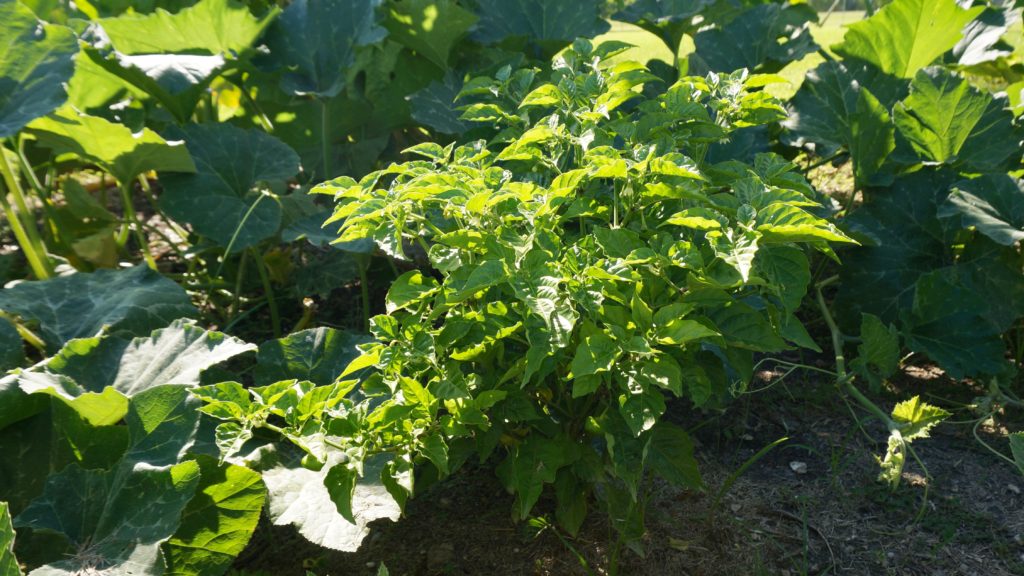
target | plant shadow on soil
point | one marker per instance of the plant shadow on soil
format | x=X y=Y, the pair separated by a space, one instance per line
x=834 y=518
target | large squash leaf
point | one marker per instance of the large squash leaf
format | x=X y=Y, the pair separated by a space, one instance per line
x=36 y=60
x=872 y=137
x=430 y=27
x=218 y=521
x=220 y=200
x=8 y=563
x=113 y=147
x=133 y=301
x=994 y=204
x=948 y=323
x=12 y=351
x=907 y=35
x=319 y=355
x=821 y=111
x=764 y=38
x=223 y=27
x=540 y=20
x=315 y=43
x=87 y=367
x=947 y=121
x=902 y=239
x=300 y=497
x=117 y=519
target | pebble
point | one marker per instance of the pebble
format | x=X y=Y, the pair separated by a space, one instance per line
x=798 y=467
x=1013 y=488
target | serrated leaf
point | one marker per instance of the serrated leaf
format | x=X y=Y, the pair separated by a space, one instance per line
x=299 y=497
x=670 y=455
x=8 y=563
x=948 y=121
x=218 y=522
x=917 y=418
x=906 y=35
x=319 y=355
x=133 y=301
x=220 y=200
x=207 y=27
x=37 y=60
x=539 y=20
x=994 y=204
x=879 y=351
x=174 y=355
x=114 y=147
x=315 y=43
x=430 y=27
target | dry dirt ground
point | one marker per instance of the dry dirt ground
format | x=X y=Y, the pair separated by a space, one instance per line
x=833 y=518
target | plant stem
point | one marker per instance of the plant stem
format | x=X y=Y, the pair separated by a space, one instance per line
x=275 y=317
x=40 y=266
x=842 y=378
x=239 y=277
x=132 y=222
x=22 y=224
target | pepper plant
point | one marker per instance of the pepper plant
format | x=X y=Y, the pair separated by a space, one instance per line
x=587 y=265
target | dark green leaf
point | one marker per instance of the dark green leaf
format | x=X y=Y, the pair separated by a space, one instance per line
x=434 y=106
x=947 y=323
x=12 y=351
x=872 y=137
x=132 y=301
x=540 y=20
x=316 y=41
x=764 y=38
x=745 y=327
x=992 y=204
x=948 y=121
x=112 y=517
x=430 y=27
x=670 y=455
x=318 y=354
x=37 y=60
x=223 y=200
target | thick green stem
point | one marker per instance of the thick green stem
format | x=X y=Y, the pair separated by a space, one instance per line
x=275 y=317
x=132 y=223
x=22 y=223
x=842 y=378
x=40 y=265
